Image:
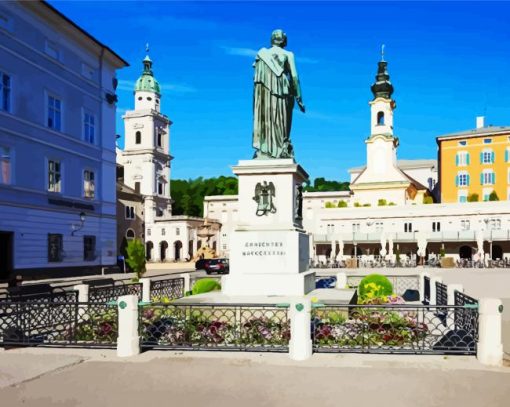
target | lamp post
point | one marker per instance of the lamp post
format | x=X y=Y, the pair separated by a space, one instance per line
x=76 y=227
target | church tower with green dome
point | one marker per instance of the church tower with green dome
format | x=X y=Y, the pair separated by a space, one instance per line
x=146 y=156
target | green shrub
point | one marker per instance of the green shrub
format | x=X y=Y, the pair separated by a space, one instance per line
x=374 y=286
x=136 y=257
x=428 y=200
x=382 y=202
x=392 y=204
x=366 y=205
x=493 y=196
x=342 y=204
x=205 y=285
x=472 y=198
x=357 y=204
x=442 y=252
x=329 y=205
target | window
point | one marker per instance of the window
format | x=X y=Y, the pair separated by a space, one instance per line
x=462 y=143
x=55 y=248
x=5 y=165
x=380 y=118
x=379 y=226
x=137 y=187
x=436 y=226
x=130 y=234
x=488 y=178
x=355 y=227
x=160 y=188
x=54 y=118
x=89 y=185
x=465 y=224
x=148 y=232
x=52 y=50
x=462 y=158
x=462 y=179
x=487 y=141
x=163 y=232
x=495 y=224
x=89 y=248
x=89 y=128
x=138 y=137
x=487 y=157
x=130 y=212
x=177 y=231
x=462 y=196
x=54 y=176
x=159 y=139
x=5 y=92
x=330 y=228
x=408 y=227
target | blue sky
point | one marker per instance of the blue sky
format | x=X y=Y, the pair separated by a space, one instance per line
x=449 y=62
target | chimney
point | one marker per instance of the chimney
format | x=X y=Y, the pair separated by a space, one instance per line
x=480 y=122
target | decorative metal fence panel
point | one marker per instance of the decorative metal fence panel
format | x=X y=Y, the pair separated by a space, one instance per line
x=426 y=290
x=392 y=329
x=246 y=327
x=464 y=319
x=56 y=295
x=58 y=324
x=167 y=289
x=400 y=283
x=112 y=292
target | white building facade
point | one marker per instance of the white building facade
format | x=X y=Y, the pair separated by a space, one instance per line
x=57 y=144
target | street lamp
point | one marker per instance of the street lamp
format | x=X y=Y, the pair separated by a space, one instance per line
x=76 y=227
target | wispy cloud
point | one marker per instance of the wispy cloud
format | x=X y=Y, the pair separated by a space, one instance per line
x=128 y=86
x=249 y=52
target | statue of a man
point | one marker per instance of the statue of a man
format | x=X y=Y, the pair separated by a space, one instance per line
x=276 y=85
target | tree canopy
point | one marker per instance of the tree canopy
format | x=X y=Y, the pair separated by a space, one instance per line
x=323 y=185
x=188 y=195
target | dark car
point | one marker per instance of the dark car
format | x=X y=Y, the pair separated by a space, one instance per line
x=200 y=264
x=219 y=266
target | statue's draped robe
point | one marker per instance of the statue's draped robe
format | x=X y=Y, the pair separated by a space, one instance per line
x=273 y=101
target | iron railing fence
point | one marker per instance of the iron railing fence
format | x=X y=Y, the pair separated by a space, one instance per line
x=111 y=292
x=167 y=289
x=58 y=324
x=426 y=290
x=393 y=329
x=26 y=294
x=464 y=319
x=232 y=327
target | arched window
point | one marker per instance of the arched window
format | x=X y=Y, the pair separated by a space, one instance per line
x=160 y=140
x=380 y=118
x=130 y=234
x=138 y=137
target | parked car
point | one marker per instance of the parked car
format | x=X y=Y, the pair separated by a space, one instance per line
x=200 y=264
x=219 y=266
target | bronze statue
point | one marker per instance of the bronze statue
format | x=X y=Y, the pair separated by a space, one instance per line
x=276 y=85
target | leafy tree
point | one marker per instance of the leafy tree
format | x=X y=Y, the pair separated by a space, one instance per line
x=342 y=204
x=322 y=185
x=136 y=257
x=382 y=202
x=493 y=196
x=329 y=205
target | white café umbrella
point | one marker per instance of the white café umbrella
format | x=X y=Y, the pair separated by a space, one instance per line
x=340 y=255
x=383 y=244
x=421 y=240
x=390 y=246
x=333 y=250
x=479 y=243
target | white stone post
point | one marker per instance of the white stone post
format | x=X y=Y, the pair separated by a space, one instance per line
x=421 y=284
x=128 y=341
x=187 y=281
x=341 y=280
x=300 y=345
x=490 y=347
x=146 y=289
x=83 y=292
x=433 y=293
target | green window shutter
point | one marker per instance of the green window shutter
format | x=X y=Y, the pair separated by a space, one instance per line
x=506 y=155
x=481 y=158
x=457 y=159
x=456 y=180
x=493 y=178
x=481 y=178
x=492 y=157
x=467 y=158
x=467 y=176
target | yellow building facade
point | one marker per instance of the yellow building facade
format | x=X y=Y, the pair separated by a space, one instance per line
x=473 y=164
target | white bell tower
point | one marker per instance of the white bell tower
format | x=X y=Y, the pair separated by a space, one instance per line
x=146 y=156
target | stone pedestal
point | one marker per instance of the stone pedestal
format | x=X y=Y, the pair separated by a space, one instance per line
x=269 y=250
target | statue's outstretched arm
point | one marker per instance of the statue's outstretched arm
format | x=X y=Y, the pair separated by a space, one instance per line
x=295 y=81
